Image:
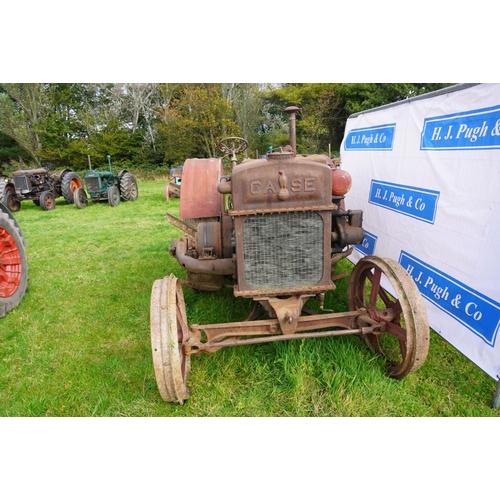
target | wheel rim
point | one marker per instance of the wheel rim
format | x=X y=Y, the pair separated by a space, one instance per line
x=168 y=335
x=405 y=341
x=74 y=185
x=113 y=196
x=81 y=200
x=12 y=204
x=49 y=201
x=10 y=264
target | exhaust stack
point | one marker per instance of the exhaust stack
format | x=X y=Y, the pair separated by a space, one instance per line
x=292 y=111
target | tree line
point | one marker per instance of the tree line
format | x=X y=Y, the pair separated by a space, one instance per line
x=154 y=126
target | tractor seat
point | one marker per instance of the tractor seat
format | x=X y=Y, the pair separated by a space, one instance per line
x=34 y=171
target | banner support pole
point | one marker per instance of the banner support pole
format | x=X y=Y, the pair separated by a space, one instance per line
x=496 y=399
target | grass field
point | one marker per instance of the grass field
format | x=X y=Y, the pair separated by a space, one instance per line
x=79 y=343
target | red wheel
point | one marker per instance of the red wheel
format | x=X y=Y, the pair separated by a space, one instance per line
x=404 y=340
x=13 y=265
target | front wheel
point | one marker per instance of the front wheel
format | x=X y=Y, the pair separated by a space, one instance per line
x=81 y=200
x=11 y=202
x=113 y=196
x=47 y=201
x=403 y=339
x=168 y=334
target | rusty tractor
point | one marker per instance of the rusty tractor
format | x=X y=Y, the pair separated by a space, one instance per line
x=13 y=263
x=173 y=188
x=41 y=186
x=274 y=231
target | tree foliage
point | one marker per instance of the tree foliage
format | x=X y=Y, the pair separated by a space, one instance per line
x=158 y=125
x=326 y=106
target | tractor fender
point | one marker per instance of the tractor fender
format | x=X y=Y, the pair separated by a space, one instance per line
x=122 y=172
x=60 y=174
x=199 y=195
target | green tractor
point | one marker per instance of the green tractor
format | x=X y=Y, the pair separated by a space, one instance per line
x=106 y=186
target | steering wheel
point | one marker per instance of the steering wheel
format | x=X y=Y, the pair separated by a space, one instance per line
x=233 y=145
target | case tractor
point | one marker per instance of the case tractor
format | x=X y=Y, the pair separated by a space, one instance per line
x=106 y=186
x=274 y=231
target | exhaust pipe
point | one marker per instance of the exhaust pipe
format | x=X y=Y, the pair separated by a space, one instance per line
x=292 y=111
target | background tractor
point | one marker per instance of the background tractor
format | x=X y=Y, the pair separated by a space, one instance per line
x=41 y=186
x=173 y=188
x=274 y=231
x=106 y=186
x=13 y=262
x=6 y=186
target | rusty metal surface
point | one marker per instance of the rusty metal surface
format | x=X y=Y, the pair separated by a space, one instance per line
x=262 y=186
x=292 y=112
x=199 y=195
x=208 y=241
x=209 y=266
x=227 y=334
x=181 y=225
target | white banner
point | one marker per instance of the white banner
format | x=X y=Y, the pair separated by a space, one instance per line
x=426 y=173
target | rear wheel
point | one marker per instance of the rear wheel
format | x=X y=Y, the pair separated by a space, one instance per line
x=47 y=201
x=11 y=202
x=128 y=187
x=113 y=196
x=81 y=200
x=13 y=264
x=69 y=184
x=168 y=334
x=167 y=192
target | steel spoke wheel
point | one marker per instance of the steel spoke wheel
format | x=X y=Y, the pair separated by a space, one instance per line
x=403 y=339
x=168 y=334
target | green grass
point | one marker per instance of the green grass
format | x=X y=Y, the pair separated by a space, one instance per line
x=79 y=343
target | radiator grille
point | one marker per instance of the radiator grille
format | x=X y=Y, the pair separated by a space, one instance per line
x=283 y=250
x=92 y=184
x=22 y=183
